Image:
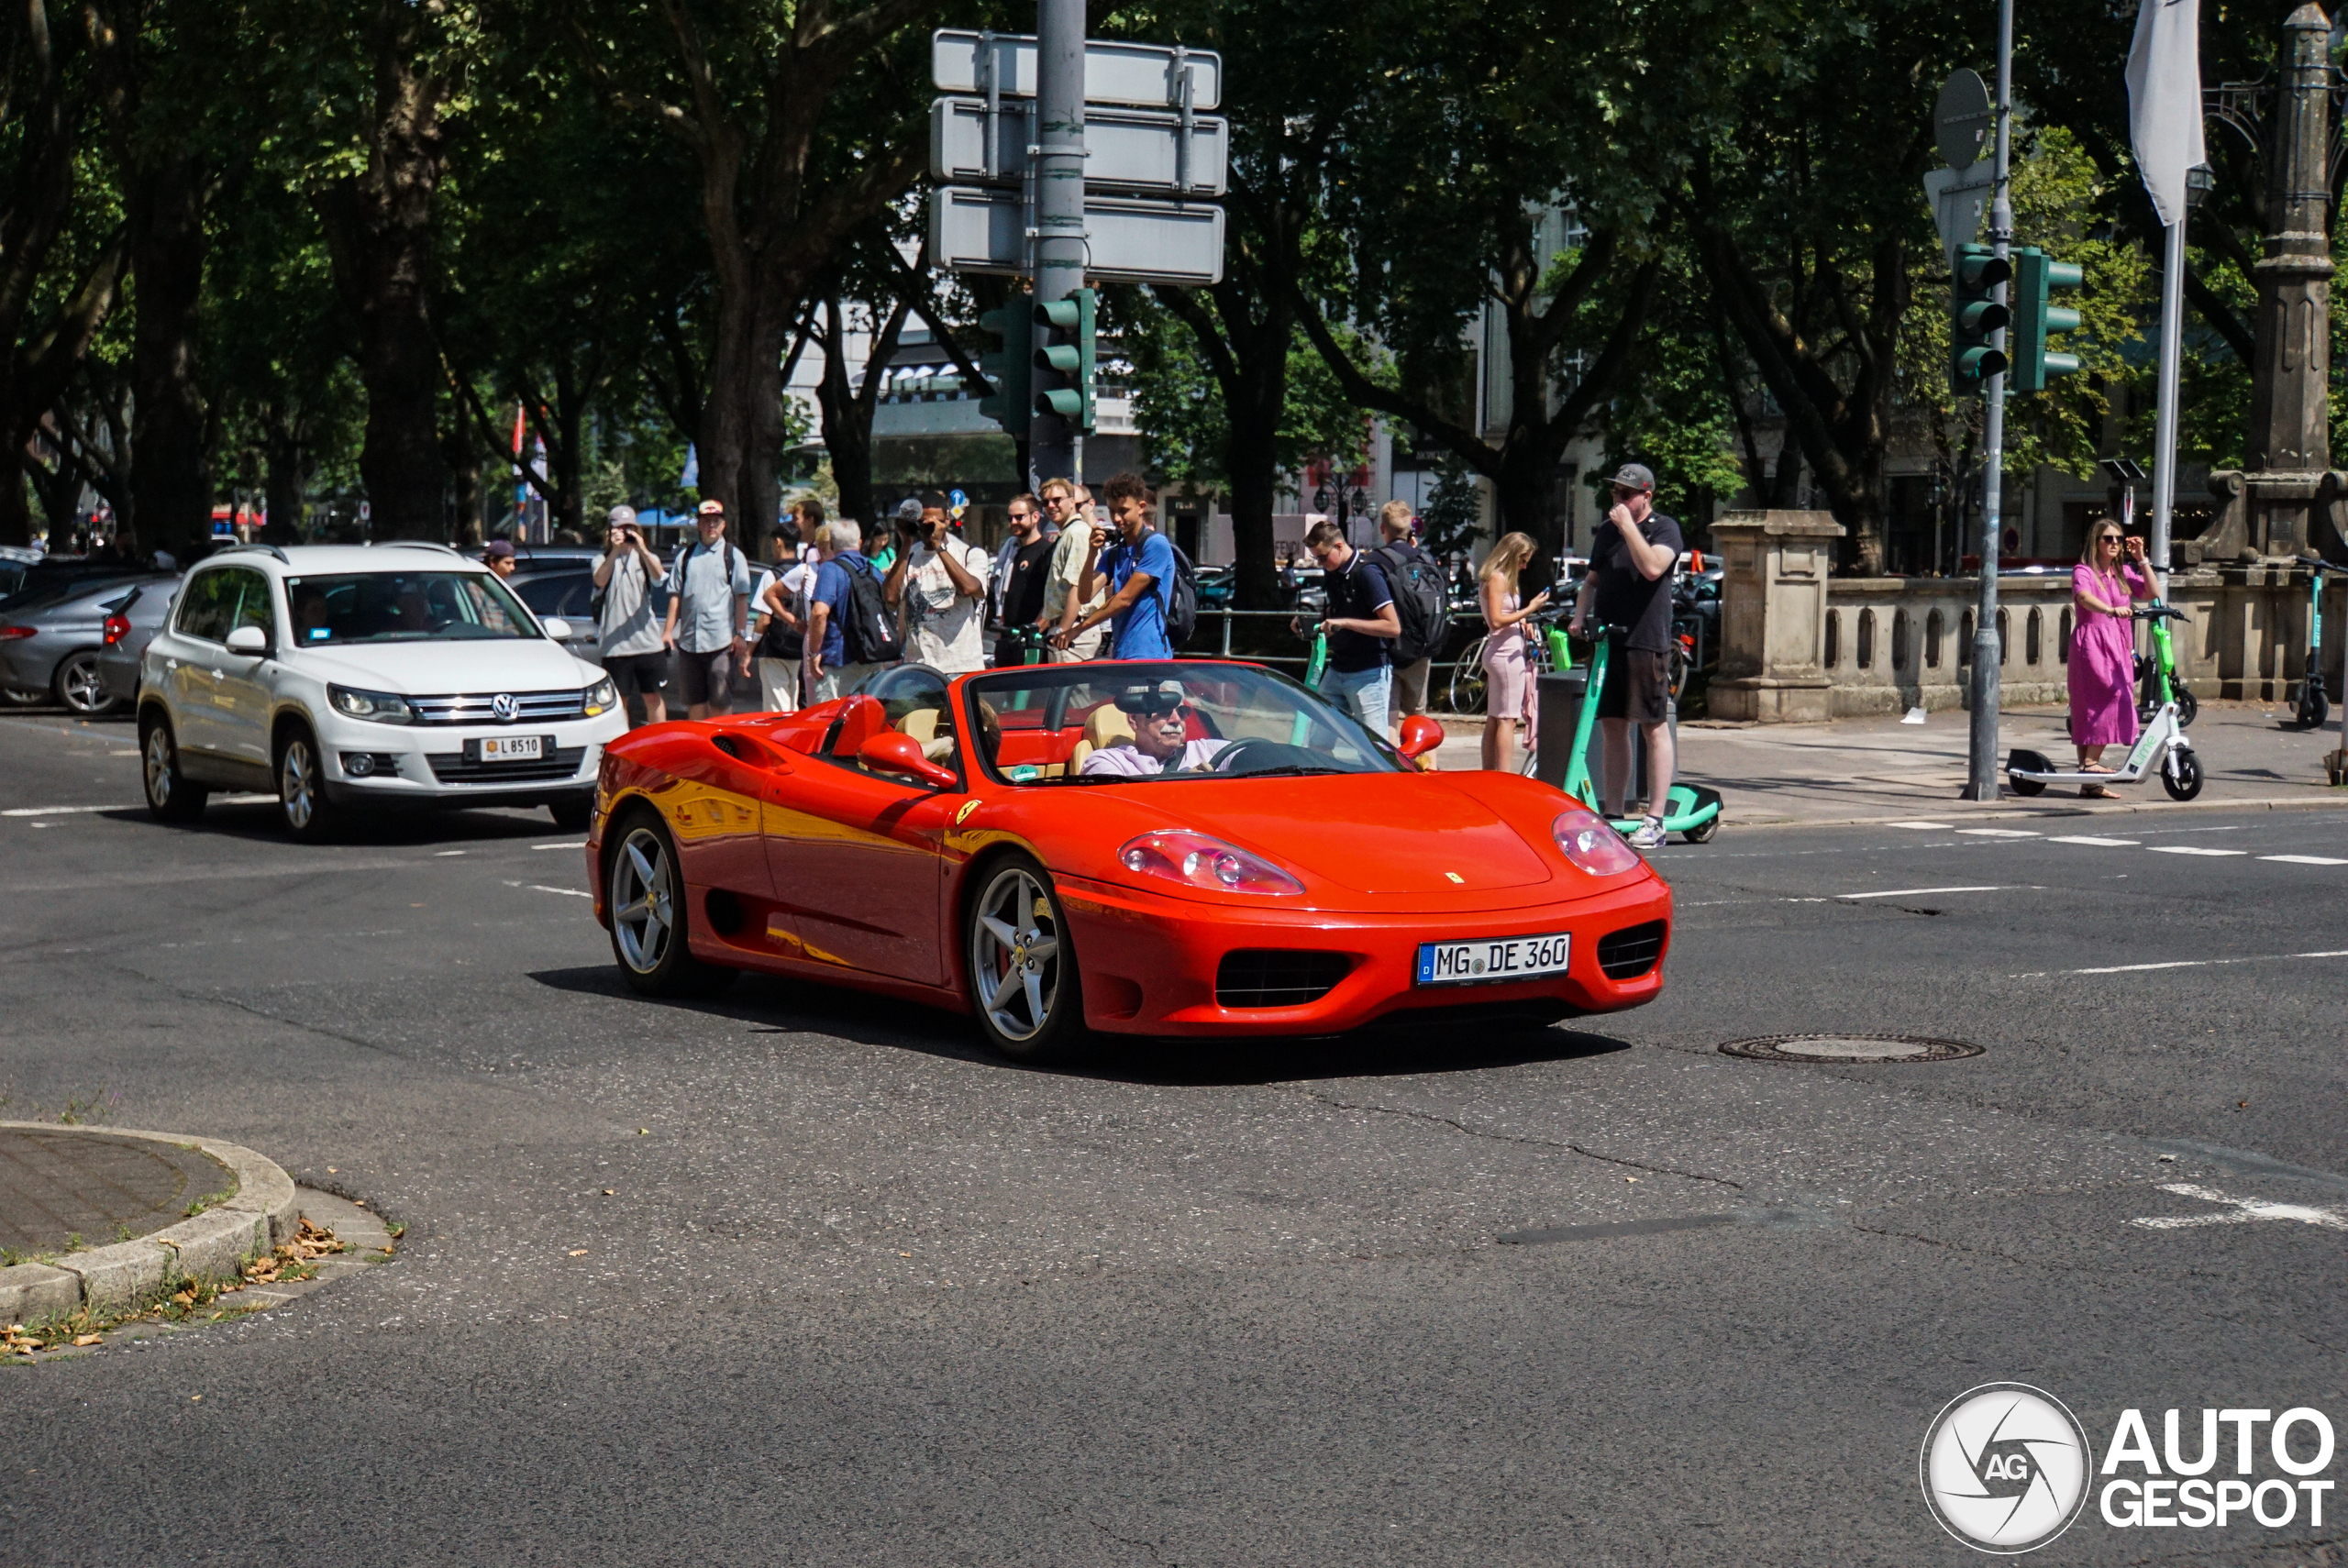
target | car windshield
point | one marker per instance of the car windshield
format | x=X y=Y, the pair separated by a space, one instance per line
x=1101 y=724
x=404 y=607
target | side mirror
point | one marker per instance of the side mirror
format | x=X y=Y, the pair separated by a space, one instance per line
x=1421 y=735
x=248 y=640
x=890 y=752
x=556 y=627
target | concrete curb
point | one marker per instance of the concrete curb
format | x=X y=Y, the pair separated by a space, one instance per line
x=2018 y=810
x=214 y=1245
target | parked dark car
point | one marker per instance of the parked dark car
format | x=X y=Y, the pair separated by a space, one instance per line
x=49 y=573
x=50 y=644
x=567 y=592
x=131 y=624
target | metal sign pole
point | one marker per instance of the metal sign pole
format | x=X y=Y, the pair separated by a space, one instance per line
x=1059 y=162
x=1981 y=770
x=2165 y=419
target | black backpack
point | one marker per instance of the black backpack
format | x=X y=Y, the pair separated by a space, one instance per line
x=871 y=628
x=1419 y=600
x=1182 y=599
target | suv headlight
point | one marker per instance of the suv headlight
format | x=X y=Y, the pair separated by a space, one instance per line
x=383 y=707
x=602 y=696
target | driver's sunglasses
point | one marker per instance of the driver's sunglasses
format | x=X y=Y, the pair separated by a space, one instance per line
x=1161 y=711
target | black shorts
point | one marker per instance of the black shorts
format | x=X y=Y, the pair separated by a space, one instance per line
x=709 y=677
x=639 y=674
x=1638 y=686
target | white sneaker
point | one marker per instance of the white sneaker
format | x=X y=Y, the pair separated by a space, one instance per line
x=1649 y=834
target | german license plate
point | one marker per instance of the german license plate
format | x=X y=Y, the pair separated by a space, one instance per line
x=513 y=748
x=1496 y=958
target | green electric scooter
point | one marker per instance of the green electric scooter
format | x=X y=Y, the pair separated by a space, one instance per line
x=1692 y=810
x=2315 y=703
x=2161 y=685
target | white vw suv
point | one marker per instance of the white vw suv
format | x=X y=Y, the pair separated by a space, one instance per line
x=339 y=678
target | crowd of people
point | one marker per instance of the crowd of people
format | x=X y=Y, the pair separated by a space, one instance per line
x=1080 y=577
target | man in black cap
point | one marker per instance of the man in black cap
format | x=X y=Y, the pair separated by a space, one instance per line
x=1628 y=585
x=1160 y=710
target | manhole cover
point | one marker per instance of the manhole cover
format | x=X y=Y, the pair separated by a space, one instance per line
x=1849 y=1048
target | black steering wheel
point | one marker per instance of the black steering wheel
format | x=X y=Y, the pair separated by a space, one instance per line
x=1256 y=755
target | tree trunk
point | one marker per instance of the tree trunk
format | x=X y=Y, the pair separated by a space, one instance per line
x=378 y=226
x=171 y=482
x=847 y=438
x=463 y=458
x=285 y=458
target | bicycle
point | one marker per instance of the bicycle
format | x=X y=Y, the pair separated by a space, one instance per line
x=1541 y=655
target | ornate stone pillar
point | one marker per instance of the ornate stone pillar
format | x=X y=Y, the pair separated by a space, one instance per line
x=2272 y=509
x=1773 y=616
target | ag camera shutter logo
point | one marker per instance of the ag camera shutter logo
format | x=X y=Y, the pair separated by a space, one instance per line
x=2005 y=1468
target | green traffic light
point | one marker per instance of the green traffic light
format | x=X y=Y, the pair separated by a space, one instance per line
x=1984 y=316
x=1976 y=364
x=1070 y=358
x=2035 y=317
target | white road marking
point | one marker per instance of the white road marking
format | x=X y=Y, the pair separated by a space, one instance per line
x=63 y=810
x=541 y=888
x=444 y=854
x=567 y=844
x=2181 y=963
x=2239 y=1210
x=2193 y=849
x=1998 y=832
x=1923 y=827
x=2305 y=859
x=2099 y=843
x=1903 y=892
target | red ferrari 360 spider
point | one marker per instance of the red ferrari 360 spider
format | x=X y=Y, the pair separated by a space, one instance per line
x=1183 y=848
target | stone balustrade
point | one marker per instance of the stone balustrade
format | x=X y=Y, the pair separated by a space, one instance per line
x=1797 y=645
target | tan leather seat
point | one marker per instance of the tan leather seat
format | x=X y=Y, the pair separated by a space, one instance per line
x=1104 y=726
x=921 y=724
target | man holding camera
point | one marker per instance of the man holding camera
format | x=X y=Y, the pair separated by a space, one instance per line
x=628 y=634
x=941 y=584
x=1628 y=585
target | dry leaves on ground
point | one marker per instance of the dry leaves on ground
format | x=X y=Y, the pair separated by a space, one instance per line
x=309 y=1244
x=14 y=1341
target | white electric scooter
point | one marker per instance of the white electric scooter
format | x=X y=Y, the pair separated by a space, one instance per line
x=2161 y=745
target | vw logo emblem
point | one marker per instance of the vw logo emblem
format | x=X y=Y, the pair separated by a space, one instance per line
x=506 y=708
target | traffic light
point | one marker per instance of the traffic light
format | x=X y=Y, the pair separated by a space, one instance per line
x=1069 y=356
x=2036 y=275
x=1974 y=318
x=1009 y=367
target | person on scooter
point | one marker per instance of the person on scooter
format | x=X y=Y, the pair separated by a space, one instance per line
x=1629 y=584
x=2103 y=648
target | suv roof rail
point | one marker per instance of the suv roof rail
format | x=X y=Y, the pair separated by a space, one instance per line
x=423 y=545
x=265 y=549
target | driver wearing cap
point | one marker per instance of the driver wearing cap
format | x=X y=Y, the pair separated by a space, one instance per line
x=1160 y=743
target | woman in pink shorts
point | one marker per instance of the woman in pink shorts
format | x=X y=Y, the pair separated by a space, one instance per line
x=1508 y=682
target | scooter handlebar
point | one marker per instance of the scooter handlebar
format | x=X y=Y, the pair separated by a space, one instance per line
x=2158 y=613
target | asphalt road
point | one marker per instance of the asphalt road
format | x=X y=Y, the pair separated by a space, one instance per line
x=860 y=1294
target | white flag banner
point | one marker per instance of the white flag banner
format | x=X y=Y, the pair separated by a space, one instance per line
x=2165 y=100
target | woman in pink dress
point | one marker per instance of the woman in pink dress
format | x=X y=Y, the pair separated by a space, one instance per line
x=1508 y=682
x=2103 y=648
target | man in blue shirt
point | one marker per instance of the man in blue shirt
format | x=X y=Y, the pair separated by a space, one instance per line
x=1362 y=623
x=825 y=666
x=1140 y=572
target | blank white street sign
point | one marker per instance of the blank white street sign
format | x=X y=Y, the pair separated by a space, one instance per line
x=975 y=230
x=1144 y=75
x=1124 y=149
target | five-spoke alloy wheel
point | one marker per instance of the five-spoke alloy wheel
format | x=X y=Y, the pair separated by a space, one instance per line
x=648 y=902
x=170 y=796
x=1023 y=983
x=302 y=789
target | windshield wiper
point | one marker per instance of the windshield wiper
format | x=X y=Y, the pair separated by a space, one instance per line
x=1286 y=771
